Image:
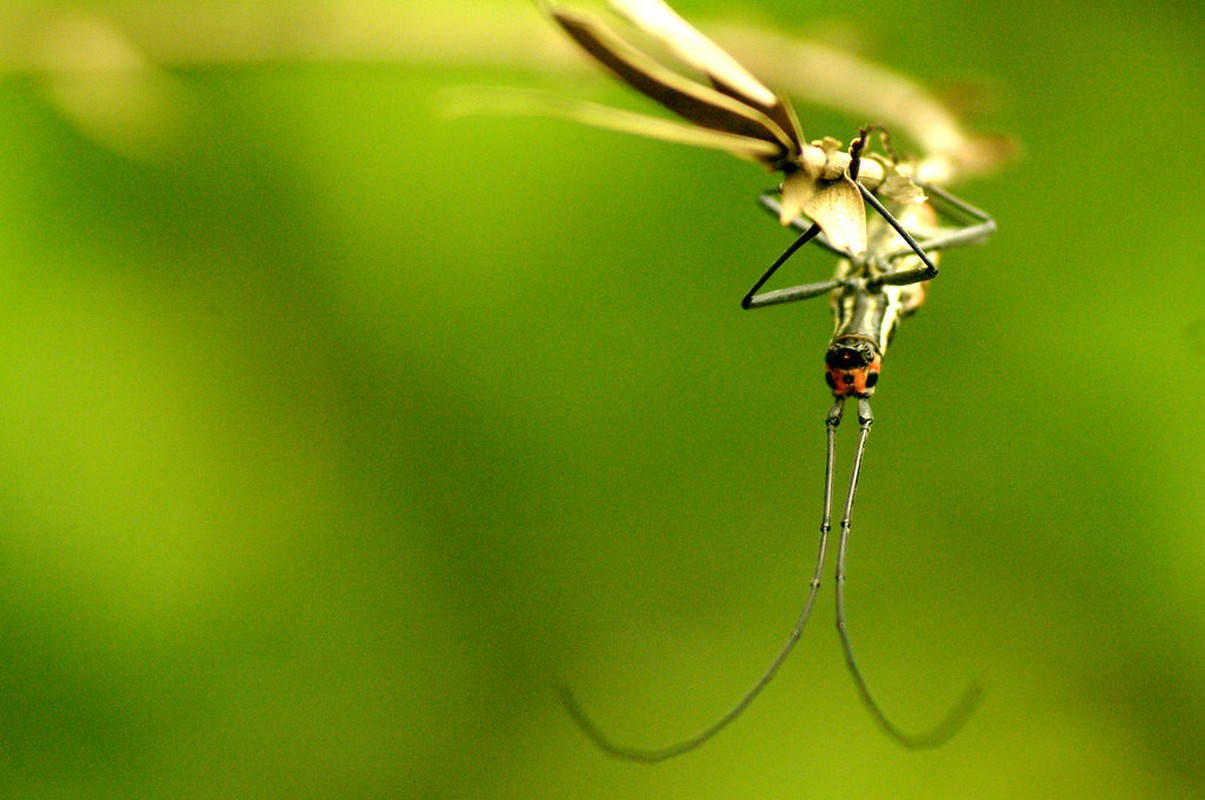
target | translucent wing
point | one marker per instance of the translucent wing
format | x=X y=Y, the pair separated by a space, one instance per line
x=689 y=99
x=520 y=101
x=735 y=111
x=657 y=19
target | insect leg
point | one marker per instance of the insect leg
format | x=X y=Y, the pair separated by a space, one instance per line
x=661 y=754
x=929 y=271
x=925 y=273
x=959 y=714
x=793 y=293
x=979 y=224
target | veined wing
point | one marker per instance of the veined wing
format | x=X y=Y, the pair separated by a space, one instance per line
x=657 y=19
x=526 y=101
x=687 y=98
x=738 y=105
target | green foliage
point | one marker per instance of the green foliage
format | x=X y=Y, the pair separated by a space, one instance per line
x=335 y=434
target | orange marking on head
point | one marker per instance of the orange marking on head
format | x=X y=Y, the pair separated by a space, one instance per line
x=854 y=381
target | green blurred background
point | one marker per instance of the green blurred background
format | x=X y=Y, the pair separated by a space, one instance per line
x=335 y=433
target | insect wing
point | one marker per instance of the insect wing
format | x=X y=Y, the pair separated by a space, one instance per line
x=688 y=99
x=660 y=21
x=521 y=101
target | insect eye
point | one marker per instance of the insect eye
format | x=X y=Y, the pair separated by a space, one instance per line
x=828 y=378
x=871 y=379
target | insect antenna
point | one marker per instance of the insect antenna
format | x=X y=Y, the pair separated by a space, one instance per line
x=654 y=755
x=962 y=710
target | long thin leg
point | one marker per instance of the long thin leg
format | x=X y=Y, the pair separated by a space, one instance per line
x=979 y=224
x=967 y=235
x=779 y=296
x=972 y=213
x=661 y=754
x=925 y=273
x=959 y=714
x=975 y=224
x=972 y=234
x=983 y=225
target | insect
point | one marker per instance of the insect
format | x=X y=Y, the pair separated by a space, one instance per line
x=884 y=267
